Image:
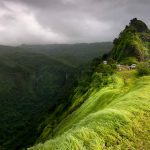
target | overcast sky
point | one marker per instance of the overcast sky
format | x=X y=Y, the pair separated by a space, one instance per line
x=67 y=21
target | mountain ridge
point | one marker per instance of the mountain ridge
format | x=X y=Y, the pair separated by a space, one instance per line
x=133 y=41
x=110 y=108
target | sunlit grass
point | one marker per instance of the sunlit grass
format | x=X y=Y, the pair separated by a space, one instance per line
x=116 y=117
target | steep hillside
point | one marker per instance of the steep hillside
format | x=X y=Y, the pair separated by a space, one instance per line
x=114 y=117
x=29 y=86
x=133 y=41
x=110 y=107
x=33 y=80
x=48 y=100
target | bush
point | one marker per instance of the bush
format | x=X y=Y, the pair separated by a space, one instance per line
x=129 y=61
x=105 y=69
x=97 y=80
x=143 y=69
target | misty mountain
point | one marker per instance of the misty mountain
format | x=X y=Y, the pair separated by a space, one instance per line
x=75 y=54
x=32 y=79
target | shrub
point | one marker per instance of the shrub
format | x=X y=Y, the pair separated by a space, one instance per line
x=129 y=61
x=105 y=69
x=97 y=80
x=143 y=69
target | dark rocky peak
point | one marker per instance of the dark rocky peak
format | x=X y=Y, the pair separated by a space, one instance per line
x=139 y=25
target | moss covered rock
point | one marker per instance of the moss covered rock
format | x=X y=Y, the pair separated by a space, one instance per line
x=133 y=41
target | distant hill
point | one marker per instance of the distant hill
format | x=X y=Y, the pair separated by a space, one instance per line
x=74 y=54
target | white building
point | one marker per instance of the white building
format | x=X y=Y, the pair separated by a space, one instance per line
x=105 y=62
x=133 y=66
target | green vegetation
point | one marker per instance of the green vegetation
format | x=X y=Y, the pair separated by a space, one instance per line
x=129 y=61
x=133 y=41
x=113 y=117
x=34 y=80
x=143 y=69
x=109 y=108
x=97 y=106
x=72 y=54
x=29 y=86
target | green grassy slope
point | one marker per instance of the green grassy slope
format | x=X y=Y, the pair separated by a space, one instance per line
x=116 y=116
x=133 y=41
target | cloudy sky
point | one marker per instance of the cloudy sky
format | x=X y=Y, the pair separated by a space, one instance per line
x=67 y=21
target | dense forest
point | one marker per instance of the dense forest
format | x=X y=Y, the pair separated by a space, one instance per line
x=33 y=79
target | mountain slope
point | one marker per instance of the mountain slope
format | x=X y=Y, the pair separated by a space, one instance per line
x=33 y=79
x=114 y=117
x=110 y=108
x=29 y=86
x=133 y=41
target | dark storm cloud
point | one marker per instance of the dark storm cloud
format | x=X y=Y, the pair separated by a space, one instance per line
x=67 y=21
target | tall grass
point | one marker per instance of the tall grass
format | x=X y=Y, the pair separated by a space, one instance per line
x=116 y=117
